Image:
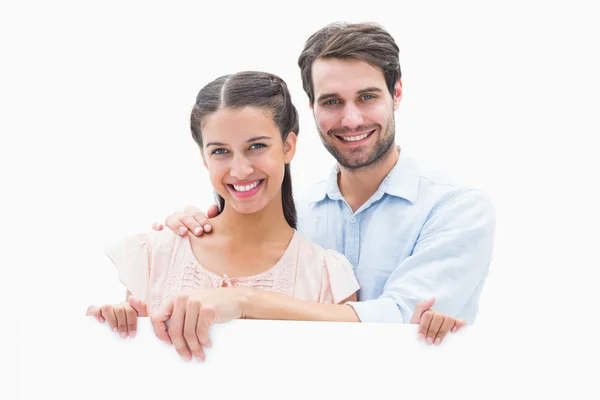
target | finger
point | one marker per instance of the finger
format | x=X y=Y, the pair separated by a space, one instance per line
x=95 y=312
x=121 y=320
x=207 y=317
x=197 y=214
x=132 y=317
x=175 y=225
x=157 y=227
x=458 y=324
x=201 y=219
x=176 y=328
x=444 y=329
x=140 y=307
x=189 y=330
x=434 y=327
x=109 y=314
x=159 y=320
x=420 y=308
x=424 y=324
x=190 y=223
x=213 y=211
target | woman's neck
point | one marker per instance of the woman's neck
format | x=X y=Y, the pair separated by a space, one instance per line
x=267 y=224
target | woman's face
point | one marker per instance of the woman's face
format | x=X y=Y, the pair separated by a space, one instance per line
x=245 y=157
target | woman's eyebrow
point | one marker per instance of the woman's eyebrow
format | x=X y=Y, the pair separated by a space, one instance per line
x=254 y=139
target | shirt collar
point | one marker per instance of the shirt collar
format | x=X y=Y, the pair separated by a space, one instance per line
x=402 y=181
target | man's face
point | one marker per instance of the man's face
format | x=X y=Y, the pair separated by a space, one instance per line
x=354 y=110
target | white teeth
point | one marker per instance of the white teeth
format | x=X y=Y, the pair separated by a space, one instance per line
x=354 y=138
x=247 y=187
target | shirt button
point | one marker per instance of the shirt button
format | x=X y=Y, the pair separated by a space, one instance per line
x=353 y=220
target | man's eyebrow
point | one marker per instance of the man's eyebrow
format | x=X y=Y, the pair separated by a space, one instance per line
x=254 y=139
x=370 y=89
x=328 y=96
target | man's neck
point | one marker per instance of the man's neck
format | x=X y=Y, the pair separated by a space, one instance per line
x=358 y=185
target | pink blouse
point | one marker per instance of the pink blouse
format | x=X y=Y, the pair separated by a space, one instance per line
x=156 y=265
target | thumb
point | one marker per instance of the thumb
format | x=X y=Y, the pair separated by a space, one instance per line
x=95 y=312
x=139 y=306
x=420 y=309
x=459 y=324
x=160 y=320
x=213 y=211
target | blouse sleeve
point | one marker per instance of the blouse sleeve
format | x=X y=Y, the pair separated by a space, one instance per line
x=131 y=257
x=338 y=281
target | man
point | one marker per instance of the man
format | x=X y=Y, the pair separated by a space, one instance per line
x=409 y=233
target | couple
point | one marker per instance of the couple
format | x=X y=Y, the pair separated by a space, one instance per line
x=381 y=240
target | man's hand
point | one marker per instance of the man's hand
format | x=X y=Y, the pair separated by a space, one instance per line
x=433 y=326
x=192 y=314
x=190 y=219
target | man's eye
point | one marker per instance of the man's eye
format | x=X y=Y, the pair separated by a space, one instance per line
x=331 y=102
x=368 y=97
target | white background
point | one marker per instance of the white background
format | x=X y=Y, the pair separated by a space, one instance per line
x=95 y=101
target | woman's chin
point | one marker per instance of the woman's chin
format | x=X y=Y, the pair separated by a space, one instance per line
x=250 y=207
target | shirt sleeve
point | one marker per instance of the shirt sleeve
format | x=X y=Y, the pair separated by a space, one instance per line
x=450 y=262
x=131 y=256
x=338 y=279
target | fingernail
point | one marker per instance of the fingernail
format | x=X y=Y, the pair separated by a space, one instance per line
x=182 y=230
x=206 y=227
x=453 y=329
x=197 y=230
x=102 y=320
x=123 y=334
x=132 y=334
x=429 y=340
x=199 y=359
x=421 y=336
x=438 y=341
x=115 y=329
x=186 y=358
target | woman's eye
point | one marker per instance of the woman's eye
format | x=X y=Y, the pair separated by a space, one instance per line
x=218 y=151
x=257 y=146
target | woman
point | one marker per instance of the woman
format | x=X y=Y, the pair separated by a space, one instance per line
x=246 y=127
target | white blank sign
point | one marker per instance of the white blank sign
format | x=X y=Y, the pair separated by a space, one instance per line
x=308 y=360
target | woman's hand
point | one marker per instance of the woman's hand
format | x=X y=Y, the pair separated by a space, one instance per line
x=191 y=314
x=122 y=318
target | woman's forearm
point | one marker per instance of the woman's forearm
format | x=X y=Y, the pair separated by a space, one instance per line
x=257 y=304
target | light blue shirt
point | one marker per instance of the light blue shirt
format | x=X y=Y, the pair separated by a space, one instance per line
x=418 y=236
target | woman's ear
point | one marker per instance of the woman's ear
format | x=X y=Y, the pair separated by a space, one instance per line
x=289 y=147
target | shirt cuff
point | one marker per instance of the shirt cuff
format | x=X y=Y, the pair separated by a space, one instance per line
x=378 y=310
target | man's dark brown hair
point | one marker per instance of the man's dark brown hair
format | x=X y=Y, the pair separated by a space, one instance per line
x=367 y=42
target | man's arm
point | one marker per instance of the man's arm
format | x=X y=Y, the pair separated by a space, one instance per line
x=450 y=261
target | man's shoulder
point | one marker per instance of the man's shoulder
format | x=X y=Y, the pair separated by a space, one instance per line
x=444 y=187
x=440 y=194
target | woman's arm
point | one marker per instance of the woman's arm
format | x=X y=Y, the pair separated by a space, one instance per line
x=257 y=304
